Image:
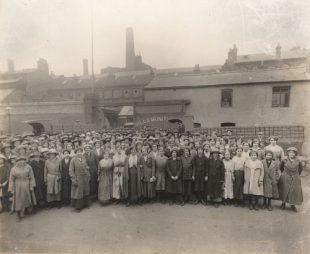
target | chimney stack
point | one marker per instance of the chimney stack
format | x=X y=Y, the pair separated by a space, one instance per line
x=43 y=66
x=10 y=65
x=278 y=51
x=85 y=67
x=130 y=50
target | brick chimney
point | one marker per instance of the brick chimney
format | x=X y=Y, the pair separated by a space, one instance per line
x=43 y=66
x=10 y=65
x=130 y=50
x=85 y=67
x=278 y=51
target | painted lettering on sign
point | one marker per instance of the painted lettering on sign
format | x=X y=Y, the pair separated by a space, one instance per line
x=152 y=119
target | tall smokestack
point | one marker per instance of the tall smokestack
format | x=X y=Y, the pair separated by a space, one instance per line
x=130 y=50
x=85 y=67
x=10 y=65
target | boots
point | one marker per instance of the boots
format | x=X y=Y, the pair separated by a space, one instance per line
x=265 y=203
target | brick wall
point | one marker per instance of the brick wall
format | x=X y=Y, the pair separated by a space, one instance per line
x=251 y=105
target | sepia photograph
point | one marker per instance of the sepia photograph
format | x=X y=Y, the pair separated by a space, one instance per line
x=155 y=126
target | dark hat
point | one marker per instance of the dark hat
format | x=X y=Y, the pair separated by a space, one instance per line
x=35 y=154
x=97 y=141
x=270 y=152
x=215 y=150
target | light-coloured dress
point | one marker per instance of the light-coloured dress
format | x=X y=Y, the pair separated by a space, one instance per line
x=118 y=171
x=52 y=177
x=105 y=187
x=20 y=182
x=229 y=170
x=253 y=174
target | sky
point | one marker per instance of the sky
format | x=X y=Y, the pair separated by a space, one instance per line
x=167 y=33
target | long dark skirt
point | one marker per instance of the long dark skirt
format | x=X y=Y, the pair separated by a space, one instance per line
x=80 y=203
x=149 y=190
x=187 y=187
x=238 y=184
x=132 y=185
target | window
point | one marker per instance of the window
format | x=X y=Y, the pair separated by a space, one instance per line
x=226 y=100
x=126 y=93
x=228 y=124
x=107 y=94
x=115 y=93
x=136 y=92
x=280 y=96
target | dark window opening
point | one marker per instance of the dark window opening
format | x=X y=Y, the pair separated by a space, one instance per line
x=227 y=124
x=280 y=96
x=226 y=99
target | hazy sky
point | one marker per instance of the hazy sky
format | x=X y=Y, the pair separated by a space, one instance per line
x=168 y=33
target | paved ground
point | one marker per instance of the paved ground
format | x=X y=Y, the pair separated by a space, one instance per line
x=158 y=228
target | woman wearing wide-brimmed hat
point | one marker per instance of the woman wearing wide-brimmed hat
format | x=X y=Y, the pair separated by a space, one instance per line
x=37 y=165
x=290 y=182
x=6 y=150
x=105 y=179
x=65 y=178
x=21 y=185
x=80 y=177
x=52 y=178
x=216 y=176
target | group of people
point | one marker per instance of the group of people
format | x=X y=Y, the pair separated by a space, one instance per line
x=135 y=167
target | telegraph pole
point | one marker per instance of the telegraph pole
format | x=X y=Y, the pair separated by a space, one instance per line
x=92 y=48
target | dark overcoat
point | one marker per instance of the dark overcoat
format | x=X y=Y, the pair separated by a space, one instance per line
x=216 y=175
x=174 y=168
x=91 y=162
x=38 y=172
x=200 y=167
x=290 y=182
x=271 y=178
x=65 y=179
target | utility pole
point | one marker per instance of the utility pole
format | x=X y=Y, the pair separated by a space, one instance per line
x=92 y=48
x=8 y=108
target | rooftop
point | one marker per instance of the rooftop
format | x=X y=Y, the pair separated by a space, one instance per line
x=228 y=78
x=294 y=53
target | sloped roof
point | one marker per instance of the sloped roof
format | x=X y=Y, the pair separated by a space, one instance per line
x=187 y=69
x=4 y=93
x=126 y=111
x=228 y=78
x=103 y=80
x=292 y=54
